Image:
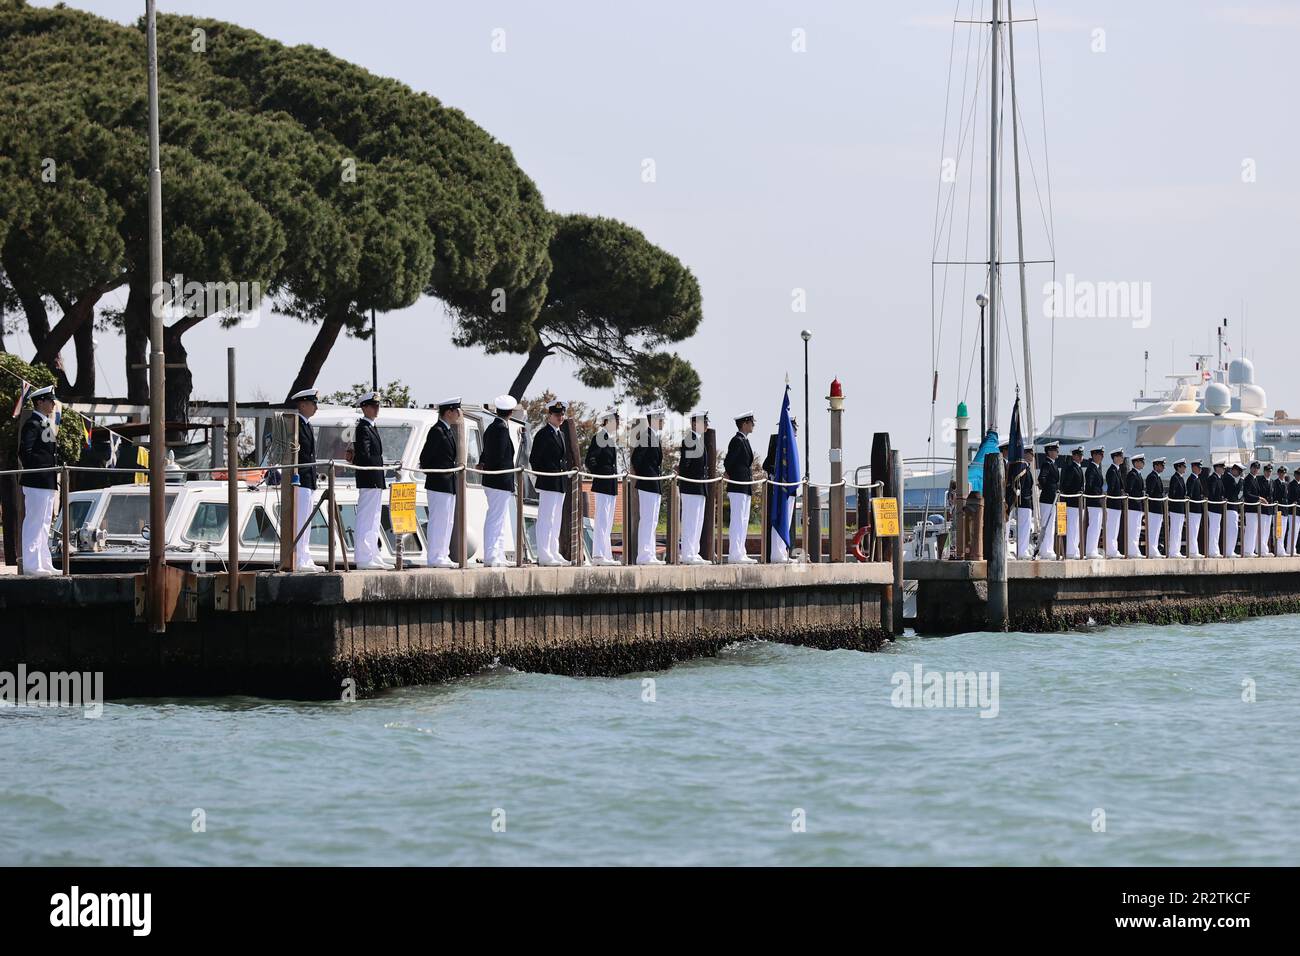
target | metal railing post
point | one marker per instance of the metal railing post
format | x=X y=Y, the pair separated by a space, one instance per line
x=764 y=531
x=332 y=560
x=671 y=523
x=65 y=523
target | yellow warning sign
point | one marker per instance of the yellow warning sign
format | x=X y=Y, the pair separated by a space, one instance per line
x=884 y=511
x=401 y=507
x=1060 y=516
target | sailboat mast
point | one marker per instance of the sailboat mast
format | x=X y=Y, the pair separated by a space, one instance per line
x=993 y=324
x=1020 y=230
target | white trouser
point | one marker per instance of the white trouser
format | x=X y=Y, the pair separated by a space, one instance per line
x=1155 y=522
x=1113 y=518
x=1232 y=520
x=1092 y=537
x=1265 y=533
x=1295 y=528
x=1047 y=528
x=1176 y=522
x=1134 y=529
x=1213 y=532
x=38 y=515
x=1024 y=531
x=600 y=541
x=442 y=516
x=647 y=506
x=779 y=552
x=1284 y=543
x=1071 y=532
x=1251 y=539
x=301 y=514
x=550 y=514
x=740 y=505
x=692 y=526
x=369 y=503
x=494 y=524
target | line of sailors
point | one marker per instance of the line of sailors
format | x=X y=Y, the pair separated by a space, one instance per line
x=548 y=458
x=1221 y=495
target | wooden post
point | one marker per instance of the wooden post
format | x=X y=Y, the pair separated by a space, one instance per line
x=521 y=534
x=460 y=540
x=232 y=486
x=718 y=492
x=711 y=511
x=65 y=525
x=1146 y=524
x=332 y=561
x=629 y=521
x=671 y=521
x=571 y=513
x=995 y=539
x=764 y=527
x=807 y=519
x=287 y=473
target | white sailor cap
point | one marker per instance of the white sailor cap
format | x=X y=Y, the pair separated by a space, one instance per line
x=448 y=403
x=504 y=403
x=1076 y=450
x=1117 y=451
x=656 y=412
x=1254 y=464
x=1100 y=449
x=1221 y=463
x=1157 y=461
x=1237 y=465
x=310 y=394
x=744 y=416
x=1182 y=461
x=607 y=414
x=46 y=392
x=370 y=398
x=1268 y=466
x=699 y=413
x=557 y=405
x=1137 y=457
x=1051 y=444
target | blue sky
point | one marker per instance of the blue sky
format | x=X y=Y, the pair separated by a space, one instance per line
x=778 y=170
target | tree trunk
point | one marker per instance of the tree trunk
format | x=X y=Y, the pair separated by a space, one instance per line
x=314 y=360
x=135 y=323
x=84 y=338
x=38 y=327
x=9 y=512
x=80 y=312
x=179 y=382
x=536 y=355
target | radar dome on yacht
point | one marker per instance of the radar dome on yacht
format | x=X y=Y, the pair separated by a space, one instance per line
x=1218 y=398
x=1241 y=372
x=1253 y=401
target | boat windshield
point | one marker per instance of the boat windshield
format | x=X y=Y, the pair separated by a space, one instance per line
x=129 y=514
x=332 y=442
x=1074 y=428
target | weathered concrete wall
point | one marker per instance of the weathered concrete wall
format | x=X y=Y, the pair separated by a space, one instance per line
x=1053 y=595
x=386 y=629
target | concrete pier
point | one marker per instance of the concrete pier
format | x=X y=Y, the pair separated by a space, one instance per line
x=1056 y=595
x=309 y=633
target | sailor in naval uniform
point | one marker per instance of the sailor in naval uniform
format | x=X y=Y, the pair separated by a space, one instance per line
x=1293 y=498
x=1198 y=491
x=368 y=455
x=739 y=465
x=1251 y=499
x=550 y=453
x=602 y=459
x=1177 y=508
x=441 y=451
x=306 y=403
x=692 y=464
x=1280 y=497
x=1022 y=492
x=1049 y=481
x=1071 y=493
x=647 y=462
x=1232 y=494
x=1136 y=490
x=1092 y=490
x=1157 y=506
x=1264 y=488
x=37 y=449
x=1114 y=502
x=1216 y=521
x=498 y=455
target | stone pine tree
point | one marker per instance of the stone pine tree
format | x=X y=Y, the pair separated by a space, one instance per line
x=613 y=300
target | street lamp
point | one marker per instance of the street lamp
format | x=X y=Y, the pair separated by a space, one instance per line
x=806 y=334
x=982 y=300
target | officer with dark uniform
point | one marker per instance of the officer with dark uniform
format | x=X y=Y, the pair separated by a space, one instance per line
x=647 y=462
x=1264 y=485
x=739 y=465
x=1293 y=498
x=1071 y=487
x=441 y=451
x=1232 y=497
x=550 y=453
x=692 y=463
x=37 y=449
x=1092 y=490
x=1177 y=507
x=1114 y=502
x=1022 y=483
x=1049 y=482
x=368 y=454
x=1251 y=498
x=306 y=402
x=1157 y=506
x=1136 y=490
x=1280 y=496
x=602 y=459
x=498 y=455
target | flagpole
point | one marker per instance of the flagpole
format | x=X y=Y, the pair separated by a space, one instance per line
x=157 y=360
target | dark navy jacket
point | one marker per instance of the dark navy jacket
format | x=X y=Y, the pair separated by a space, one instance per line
x=549 y=454
x=367 y=449
x=439 y=451
x=602 y=459
x=34 y=451
x=498 y=453
x=739 y=464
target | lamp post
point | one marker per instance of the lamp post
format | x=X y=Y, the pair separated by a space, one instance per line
x=806 y=334
x=374 y=351
x=982 y=300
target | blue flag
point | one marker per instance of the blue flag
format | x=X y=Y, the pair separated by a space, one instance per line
x=786 y=467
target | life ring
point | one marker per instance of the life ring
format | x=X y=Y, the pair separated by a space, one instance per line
x=856 y=546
